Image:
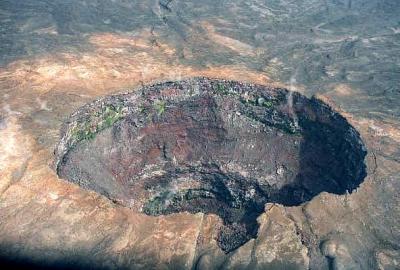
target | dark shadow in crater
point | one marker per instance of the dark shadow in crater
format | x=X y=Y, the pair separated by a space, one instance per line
x=331 y=156
x=211 y=146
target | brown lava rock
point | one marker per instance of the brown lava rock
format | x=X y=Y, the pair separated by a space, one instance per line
x=211 y=146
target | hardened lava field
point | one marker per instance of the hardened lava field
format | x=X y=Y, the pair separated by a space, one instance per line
x=211 y=146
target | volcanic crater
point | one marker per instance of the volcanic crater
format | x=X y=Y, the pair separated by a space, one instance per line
x=211 y=146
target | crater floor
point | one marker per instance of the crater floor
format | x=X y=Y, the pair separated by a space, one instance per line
x=211 y=146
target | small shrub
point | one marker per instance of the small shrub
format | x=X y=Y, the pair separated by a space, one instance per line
x=160 y=107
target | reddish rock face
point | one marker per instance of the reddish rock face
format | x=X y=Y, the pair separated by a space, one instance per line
x=211 y=146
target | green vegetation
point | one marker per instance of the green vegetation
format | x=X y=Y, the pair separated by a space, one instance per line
x=111 y=115
x=160 y=107
x=160 y=203
x=224 y=90
x=268 y=102
x=142 y=108
x=166 y=200
x=282 y=122
x=103 y=119
x=261 y=101
x=221 y=89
